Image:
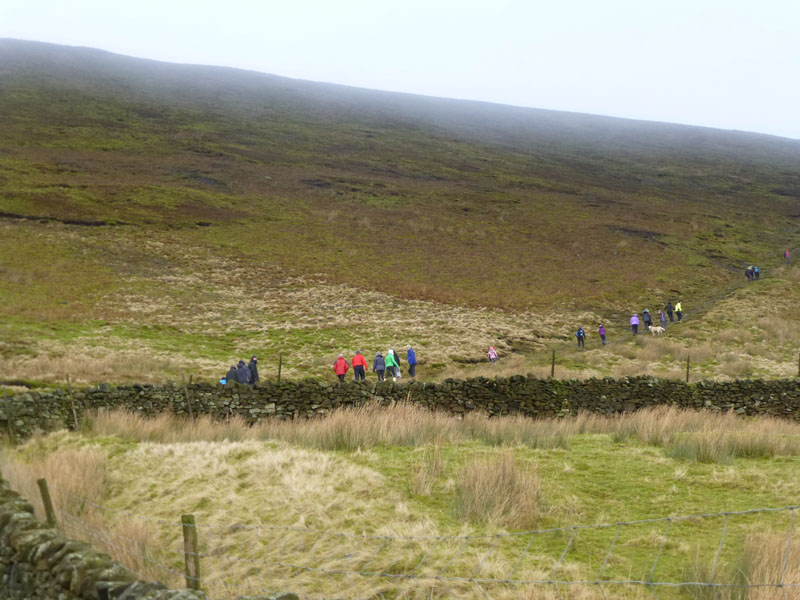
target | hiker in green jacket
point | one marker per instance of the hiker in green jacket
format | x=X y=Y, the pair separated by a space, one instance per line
x=391 y=364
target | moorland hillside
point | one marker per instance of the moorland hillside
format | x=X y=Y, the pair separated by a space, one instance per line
x=160 y=217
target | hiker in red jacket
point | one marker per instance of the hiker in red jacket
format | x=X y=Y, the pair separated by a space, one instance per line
x=360 y=366
x=340 y=367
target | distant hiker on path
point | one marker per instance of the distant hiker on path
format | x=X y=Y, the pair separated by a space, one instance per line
x=679 y=311
x=360 y=367
x=492 y=355
x=786 y=256
x=581 y=335
x=669 y=309
x=340 y=367
x=391 y=363
x=756 y=272
x=242 y=373
x=748 y=272
x=231 y=377
x=602 y=331
x=253 y=367
x=635 y=324
x=412 y=362
x=648 y=319
x=379 y=366
x=662 y=318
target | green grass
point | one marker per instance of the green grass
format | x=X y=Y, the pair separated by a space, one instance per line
x=595 y=478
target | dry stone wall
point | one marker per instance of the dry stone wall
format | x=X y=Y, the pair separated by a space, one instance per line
x=25 y=413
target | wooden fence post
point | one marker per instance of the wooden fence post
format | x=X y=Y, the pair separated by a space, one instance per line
x=687 y=369
x=191 y=555
x=280 y=364
x=72 y=404
x=553 y=365
x=47 y=502
x=186 y=393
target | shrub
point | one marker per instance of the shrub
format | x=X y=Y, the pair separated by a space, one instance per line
x=500 y=491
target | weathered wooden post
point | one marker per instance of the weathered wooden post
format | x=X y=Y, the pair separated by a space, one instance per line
x=47 y=502
x=553 y=365
x=191 y=555
x=72 y=404
x=280 y=364
x=186 y=394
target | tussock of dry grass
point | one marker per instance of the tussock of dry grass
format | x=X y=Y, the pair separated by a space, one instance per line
x=427 y=471
x=499 y=490
x=773 y=558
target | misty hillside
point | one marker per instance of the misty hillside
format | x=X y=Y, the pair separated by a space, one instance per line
x=459 y=201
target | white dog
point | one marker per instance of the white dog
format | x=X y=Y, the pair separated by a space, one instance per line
x=656 y=330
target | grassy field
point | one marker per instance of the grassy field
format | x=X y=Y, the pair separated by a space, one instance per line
x=308 y=506
x=160 y=219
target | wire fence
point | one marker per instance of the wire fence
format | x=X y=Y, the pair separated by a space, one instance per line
x=736 y=554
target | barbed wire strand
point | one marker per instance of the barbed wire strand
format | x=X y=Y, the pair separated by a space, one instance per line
x=484 y=536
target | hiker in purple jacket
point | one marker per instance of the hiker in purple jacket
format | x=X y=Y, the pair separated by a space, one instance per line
x=602 y=331
x=635 y=324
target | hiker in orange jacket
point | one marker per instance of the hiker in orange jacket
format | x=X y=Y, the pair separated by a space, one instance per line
x=340 y=367
x=360 y=366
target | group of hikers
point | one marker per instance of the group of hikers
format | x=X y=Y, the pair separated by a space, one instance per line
x=753 y=272
x=664 y=316
x=668 y=315
x=389 y=364
x=242 y=373
x=382 y=365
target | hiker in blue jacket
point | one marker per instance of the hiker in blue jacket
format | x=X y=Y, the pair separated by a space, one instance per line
x=412 y=362
x=581 y=335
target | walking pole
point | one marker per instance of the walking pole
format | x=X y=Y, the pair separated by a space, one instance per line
x=553 y=365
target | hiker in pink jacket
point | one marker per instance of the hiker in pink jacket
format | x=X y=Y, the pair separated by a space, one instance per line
x=493 y=355
x=635 y=324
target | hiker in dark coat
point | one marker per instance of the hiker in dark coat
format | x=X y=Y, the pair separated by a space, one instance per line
x=232 y=375
x=253 y=366
x=379 y=366
x=242 y=373
x=648 y=319
x=669 y=309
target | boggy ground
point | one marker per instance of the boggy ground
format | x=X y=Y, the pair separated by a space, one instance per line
x=105 y=304
x=325 y=508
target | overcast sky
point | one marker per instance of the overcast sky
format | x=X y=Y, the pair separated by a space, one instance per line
x=733 y=64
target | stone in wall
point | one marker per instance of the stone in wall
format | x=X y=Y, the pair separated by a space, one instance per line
x=23 y=414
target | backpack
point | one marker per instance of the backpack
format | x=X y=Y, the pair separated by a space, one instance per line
x=580 y=334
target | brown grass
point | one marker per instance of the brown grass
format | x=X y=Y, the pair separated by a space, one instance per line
x=768 y=559
x=427 y=471
x=372 y=426
x=500 y=491
x=346 y=429
x=771 y=558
